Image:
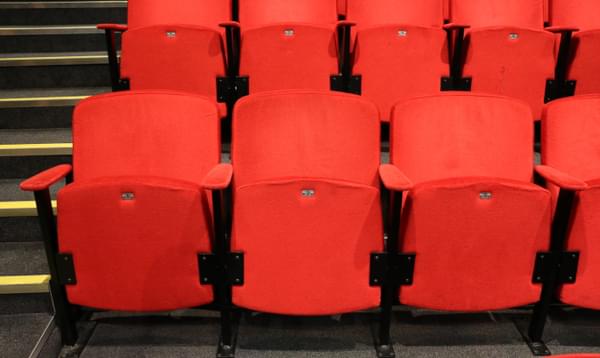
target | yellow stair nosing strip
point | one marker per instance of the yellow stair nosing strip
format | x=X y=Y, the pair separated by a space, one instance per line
x=20 y=208
x=53 y=58
x=24 y=284
x=35 y=149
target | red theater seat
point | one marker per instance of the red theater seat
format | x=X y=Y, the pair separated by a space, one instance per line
x=508 y=52
x=401 y=50
x=288 y=44
x=571 y=144
x=583 y=15
x=306 y=211
x=174 y=45
x=474 y=218
x=136 y=216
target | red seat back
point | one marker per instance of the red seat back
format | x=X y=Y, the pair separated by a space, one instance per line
x=581 y=14
x=463 y=135
x=368 y=13
x=210 y=13
x=146 y=134
x=516 y=13
x=296 y=155
x=257 y=13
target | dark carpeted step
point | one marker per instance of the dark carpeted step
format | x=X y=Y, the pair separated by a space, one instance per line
x=22 y=258
x=64 y=12
x=67 y=38
x=19 y=333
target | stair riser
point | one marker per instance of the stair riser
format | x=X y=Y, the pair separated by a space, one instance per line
x=24 y=167
x=20 y=229
x=53 y=43
x=54 y=76
x=74 y=16
x=25 y=303
x=36 y=117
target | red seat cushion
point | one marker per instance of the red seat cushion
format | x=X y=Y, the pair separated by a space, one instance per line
x=184 y=58
x=289 y=57
x=507 y=52
x=137 y=254
x=397 y=62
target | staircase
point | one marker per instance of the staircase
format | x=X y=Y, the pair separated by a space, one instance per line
x=51 y=56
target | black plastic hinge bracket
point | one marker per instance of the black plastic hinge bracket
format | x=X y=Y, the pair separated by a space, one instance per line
x=214 y=271
x=230 y=89
x=568 y=263
x=556 y=90
x=124 y=84
x=456 y=84
x=65 y=269
x=340 y=83
x=397 y=269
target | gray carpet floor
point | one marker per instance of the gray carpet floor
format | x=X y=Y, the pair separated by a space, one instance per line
x=415 y=334
x=20 y=332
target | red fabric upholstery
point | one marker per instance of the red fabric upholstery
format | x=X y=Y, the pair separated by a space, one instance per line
x=306 y=211
x=474 y=136
x=258 y=13
x=571 y=136
x=275 y=59
x=398 y=62
x=142 y=13
x=369 y=13
x=473 y=213
x=518 y=13
x=309 y=136
x=508 y=53
x=393 y=178
x=561 y=179
x=401 y=50
x=184 y=40
x=342 y=7
x=136 y=216
x=47 y=178
x=184 y=58
x=586 y=43
x=151 y=133
x=570 y=142
x=584 y=238
x=135 y=255
x=583 y=67
x=583 y=14
x=518 y=68
x=219 y=177
x=489 y=246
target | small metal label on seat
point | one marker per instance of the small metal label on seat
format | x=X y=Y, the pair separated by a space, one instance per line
x=127 y=196
x=307 y=193
x=486 y=195
x=513 y=36
x=289 y=32
x=402 y=33
x=171 y=34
